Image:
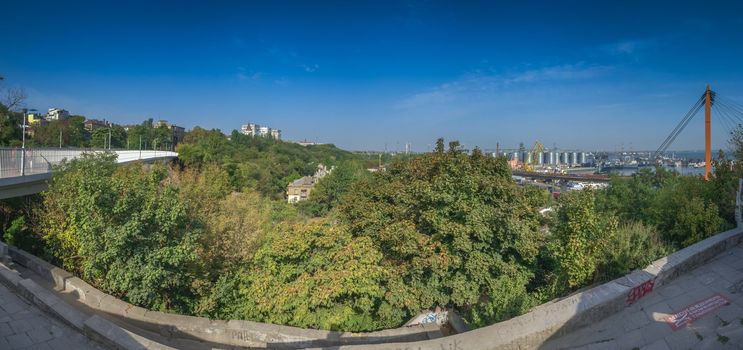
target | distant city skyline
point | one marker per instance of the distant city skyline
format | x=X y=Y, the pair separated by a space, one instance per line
x=365 y=74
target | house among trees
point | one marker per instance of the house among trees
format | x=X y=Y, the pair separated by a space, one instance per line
x=299 y=190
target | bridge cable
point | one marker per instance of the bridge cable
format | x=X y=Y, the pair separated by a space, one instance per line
x=732 y=108
x=729 y=121
x=680 y=126
x=732 y=104
x=670 y=142
x=725 y=112
x=736 y=111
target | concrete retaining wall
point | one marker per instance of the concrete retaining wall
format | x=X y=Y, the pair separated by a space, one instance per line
x=94 y=327
x=581 y=309
x=227 y=332
x=526 y=331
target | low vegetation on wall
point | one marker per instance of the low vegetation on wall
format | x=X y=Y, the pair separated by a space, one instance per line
x=213 y=237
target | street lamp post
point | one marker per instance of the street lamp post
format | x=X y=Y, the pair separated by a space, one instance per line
x=23 y=141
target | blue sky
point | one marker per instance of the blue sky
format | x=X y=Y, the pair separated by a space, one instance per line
x=370 y=74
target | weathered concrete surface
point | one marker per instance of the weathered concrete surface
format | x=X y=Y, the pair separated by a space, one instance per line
x=24 y=326
x=643 y=325
x=548 y=322
x=65 y=296
x=572 y=314
x=108 y=333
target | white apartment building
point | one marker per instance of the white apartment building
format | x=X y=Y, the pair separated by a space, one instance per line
x=263 y=131
x=252 y=129
x=57 y=114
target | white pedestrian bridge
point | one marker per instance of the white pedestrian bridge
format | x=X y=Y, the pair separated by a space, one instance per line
x=27 y=171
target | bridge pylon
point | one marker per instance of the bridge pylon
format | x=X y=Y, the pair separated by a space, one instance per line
x=707 y=132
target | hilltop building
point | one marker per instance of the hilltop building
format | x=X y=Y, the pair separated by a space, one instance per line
x=57 y=114
x=306 y=143
x=94 y=124
x=35 y=119
x=299 y=190
x=178 y=132
x=252 y=129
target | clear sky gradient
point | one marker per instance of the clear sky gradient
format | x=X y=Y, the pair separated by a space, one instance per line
x=365 y=74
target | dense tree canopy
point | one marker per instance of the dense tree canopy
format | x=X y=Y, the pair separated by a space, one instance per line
x=455 y=228
x=214 y=236
x=257 y=163
x=123 y=230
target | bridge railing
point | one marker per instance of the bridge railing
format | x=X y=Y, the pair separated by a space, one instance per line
x=19 y=162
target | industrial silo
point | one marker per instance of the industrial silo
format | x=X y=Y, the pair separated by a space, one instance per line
x=582 y=157
x=540 y=158
x=574 y=158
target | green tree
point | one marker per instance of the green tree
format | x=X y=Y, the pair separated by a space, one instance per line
x=317 y=275
x=99 y=138
x=123 y=230
x=455 y=229
x=633 y=246
x=580 y=237
x=329 y=191
x=10 y=131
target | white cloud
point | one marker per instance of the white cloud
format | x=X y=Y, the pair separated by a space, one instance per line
x=244 y=74
x=627 y=47
x=479 y=84
x=310 y=68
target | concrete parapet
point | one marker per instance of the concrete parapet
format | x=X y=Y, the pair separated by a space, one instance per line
x=52 y=304
x=233 y=332
x=568 y=314
x=4 y=257
x=112 y=335
x=40 y=267
x=551 y=319
x=95 y=327
x=9 y=278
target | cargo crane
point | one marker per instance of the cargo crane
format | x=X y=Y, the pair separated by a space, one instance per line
x=531 y=159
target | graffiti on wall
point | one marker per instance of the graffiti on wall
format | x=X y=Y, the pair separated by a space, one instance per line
x=640 y=291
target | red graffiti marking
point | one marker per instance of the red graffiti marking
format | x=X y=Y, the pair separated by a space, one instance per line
x=696 y=311
x=638 y=292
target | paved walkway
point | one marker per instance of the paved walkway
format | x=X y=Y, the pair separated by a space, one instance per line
x=24 y=326
x=644 y=326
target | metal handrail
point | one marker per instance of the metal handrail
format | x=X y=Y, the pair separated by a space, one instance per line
x=30 y=161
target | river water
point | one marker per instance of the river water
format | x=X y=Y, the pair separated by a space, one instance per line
x=681 y=170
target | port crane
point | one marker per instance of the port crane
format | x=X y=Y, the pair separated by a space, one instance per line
x=531 y=160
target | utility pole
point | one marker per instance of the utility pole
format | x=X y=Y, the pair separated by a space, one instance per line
x=109 y=136
x=23 y=143
x=60 y=138
x=140 y=146
x=707 y=133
